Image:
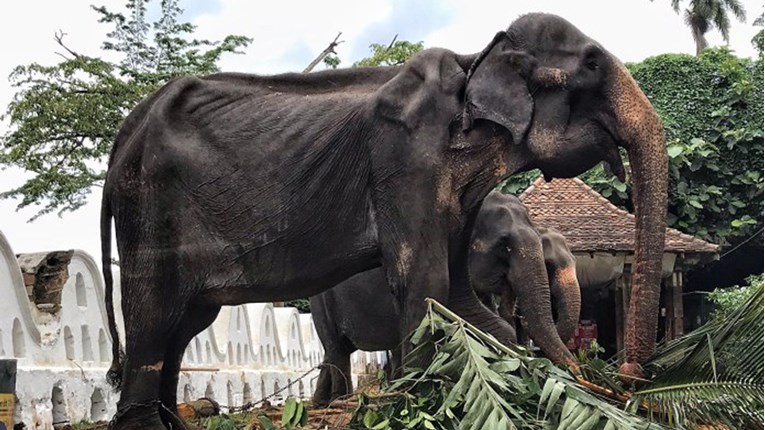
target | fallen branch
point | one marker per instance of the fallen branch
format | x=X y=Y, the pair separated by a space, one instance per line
x=597 y=389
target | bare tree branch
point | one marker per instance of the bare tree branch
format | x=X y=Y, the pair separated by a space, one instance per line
x=328 y=50
x=59 y=36
x=392 y=42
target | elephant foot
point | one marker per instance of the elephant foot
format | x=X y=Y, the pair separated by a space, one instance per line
x=173 y=420
x=320 y=402
x=143 y=416
x=324 y=398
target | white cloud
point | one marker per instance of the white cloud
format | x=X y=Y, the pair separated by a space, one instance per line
x=289 y=33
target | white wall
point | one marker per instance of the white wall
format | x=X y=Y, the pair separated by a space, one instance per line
x=247 y=353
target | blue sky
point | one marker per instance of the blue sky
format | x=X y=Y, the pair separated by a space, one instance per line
x=287 y=34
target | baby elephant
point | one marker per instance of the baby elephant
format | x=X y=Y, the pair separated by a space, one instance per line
x=359 y=313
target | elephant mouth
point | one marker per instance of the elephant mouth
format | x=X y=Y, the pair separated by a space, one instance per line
x=610 y=150
x=583 y=145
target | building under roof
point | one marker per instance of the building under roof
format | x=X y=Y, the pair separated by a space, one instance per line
x=602 y=237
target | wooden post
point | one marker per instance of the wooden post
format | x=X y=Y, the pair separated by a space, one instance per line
x=7 y=393
x=677 y=296
x=619 y=311
x=668 y=306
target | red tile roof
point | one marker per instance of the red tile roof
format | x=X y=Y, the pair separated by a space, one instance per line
x=591 y=223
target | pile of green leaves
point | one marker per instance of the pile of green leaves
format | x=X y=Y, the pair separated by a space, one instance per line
x=471 y=381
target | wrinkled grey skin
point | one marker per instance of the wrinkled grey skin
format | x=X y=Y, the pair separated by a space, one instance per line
x=564 y=286
x=237 y=188
x=493 y=260
x=505 y=249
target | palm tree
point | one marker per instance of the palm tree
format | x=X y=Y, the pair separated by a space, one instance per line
x=702 y=15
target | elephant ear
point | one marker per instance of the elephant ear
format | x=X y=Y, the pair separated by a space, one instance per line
x=424 y=95
x=497 y=88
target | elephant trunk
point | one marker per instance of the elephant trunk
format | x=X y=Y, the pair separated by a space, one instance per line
x=564 y=289
x=641 y=132
x=532 y=290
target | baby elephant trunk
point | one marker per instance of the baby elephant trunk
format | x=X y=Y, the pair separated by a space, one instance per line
x=567 y=298
x=532 y=289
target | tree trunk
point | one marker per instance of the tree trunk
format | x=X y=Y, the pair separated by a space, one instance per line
x=701 y=41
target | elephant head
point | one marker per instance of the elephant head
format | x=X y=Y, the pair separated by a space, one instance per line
x=569 y=104
x=508 y=258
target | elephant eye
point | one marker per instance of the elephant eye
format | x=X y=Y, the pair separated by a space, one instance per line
x=591 y=55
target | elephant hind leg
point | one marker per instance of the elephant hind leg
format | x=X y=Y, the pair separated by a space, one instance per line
x=145 y=348
x=195 y=319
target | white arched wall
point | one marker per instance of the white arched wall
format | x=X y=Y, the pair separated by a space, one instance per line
x=19 y=335
x=71 y=350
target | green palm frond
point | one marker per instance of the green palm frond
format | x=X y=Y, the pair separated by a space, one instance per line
x=736 y=7
x=487 y=385
x=714 y=374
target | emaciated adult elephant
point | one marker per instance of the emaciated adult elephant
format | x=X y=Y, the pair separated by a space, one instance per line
x=506 y=249
x=237 y=188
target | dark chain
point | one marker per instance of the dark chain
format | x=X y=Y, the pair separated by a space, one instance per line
x=249 y=405
x=120 y=413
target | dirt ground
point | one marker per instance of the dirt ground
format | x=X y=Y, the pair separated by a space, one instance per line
x=337 y=416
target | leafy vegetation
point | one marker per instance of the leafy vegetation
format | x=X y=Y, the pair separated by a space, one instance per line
x=727 y=300
x=757 y=40
x=714 y=374
x=471 y=381
x=302 y=305
x=397 y=52
x=64 y=118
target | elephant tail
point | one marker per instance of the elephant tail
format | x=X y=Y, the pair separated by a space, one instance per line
x=114 y=375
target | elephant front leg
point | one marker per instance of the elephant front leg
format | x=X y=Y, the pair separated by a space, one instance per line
x=416 y=271
x=413 y=213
